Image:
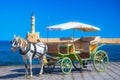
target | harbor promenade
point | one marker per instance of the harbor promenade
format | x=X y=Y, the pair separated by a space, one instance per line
x=89 y=73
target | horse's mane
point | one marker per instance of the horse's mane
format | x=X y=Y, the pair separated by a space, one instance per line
x=23 y=42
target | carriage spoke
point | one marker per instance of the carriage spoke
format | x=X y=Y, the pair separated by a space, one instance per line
x=105 y=57
x=104 y=65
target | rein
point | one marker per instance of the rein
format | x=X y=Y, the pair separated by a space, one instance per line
x=34 y=52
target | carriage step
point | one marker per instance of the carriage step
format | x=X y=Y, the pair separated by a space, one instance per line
x=85 y=66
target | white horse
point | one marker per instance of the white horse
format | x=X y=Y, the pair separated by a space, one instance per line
x=29 y=51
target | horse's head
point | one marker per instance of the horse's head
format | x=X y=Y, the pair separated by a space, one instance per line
x=15 y=43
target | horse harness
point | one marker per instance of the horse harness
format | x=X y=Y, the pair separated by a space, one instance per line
x=28 y=48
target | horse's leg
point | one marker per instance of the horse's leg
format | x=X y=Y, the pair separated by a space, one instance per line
x=26 y=68
x=31 y=75
x=41 y=65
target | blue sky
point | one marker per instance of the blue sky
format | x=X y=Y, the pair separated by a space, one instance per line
x=15 y=17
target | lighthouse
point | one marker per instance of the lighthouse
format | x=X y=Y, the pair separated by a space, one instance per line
x=32 y=36
x=33 y=24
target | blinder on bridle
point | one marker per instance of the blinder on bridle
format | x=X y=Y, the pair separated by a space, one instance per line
x=14 y=44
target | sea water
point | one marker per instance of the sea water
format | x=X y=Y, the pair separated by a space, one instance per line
x=7 y=57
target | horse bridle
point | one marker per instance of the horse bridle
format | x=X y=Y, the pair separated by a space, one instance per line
x=16 y=43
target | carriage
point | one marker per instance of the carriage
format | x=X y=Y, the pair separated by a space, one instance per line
x=69 y=52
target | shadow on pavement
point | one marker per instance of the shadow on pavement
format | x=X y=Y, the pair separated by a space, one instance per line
x=21 y=72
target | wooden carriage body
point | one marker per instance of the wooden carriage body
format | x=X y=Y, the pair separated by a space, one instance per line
x=83 y=46
x=80 y=50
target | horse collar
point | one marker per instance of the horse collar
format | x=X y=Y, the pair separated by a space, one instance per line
x=27 y=49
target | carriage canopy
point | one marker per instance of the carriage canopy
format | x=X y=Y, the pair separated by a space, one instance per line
x=74 y=25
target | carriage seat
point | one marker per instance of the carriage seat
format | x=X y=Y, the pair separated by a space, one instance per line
x=66 y=48
x=53 y=49
x=84 y=50
x=88 y=44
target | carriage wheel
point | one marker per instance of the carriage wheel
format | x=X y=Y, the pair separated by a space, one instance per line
x=101 y=60
x=49 y=68
x=77 y=65
x=66 y=65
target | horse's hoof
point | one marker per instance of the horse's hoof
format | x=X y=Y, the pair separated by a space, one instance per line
x=40 y=75
x=31 y=77
x=25 y=77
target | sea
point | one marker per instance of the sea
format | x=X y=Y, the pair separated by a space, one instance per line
x=7 y=57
